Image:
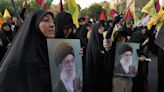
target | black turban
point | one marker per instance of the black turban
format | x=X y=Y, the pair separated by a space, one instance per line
x=62 y=51
x=125 y=48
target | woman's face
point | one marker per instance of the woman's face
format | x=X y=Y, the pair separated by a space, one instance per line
x=121 y=38
x=101 y=30
x=67 y=32
x=6 y=28
x=47 y=26
x=128 y=25
x=143 y=31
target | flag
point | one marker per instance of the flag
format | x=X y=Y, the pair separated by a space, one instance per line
x=1 y=15
x=45 y=3
x=1 y=20
x=113 y=13
x=159 y=17
x=150 y=8
x=132 y=9
x=157 y=6
x=6 y=14
x=102 y=15
x=60 y=6
x=31 y=1
x=74 y=11
x=128 y=15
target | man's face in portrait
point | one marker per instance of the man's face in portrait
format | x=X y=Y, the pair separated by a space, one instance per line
x=126 y=57
x=68 y=67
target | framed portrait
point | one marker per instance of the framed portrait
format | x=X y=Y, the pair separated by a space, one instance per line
x=126 y=59
x=65 y=65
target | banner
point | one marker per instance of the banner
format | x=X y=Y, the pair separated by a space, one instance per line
x=74 y=10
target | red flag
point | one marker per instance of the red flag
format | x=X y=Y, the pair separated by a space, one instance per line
x=112 y=13
x=157 y=5
x=102 y=15
x=60 y=6
x=128 y=15
x=45 y=3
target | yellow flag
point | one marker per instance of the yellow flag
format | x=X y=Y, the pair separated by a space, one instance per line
x=74 y=10
x=150 y=8
x=31 y=1
x=158 y=19
x=6 y=14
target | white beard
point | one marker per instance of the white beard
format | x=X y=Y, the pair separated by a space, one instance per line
x=126 y=65
x=68 y=75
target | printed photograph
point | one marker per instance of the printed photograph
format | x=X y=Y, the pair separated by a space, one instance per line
x=65 y=65
x=126 y=59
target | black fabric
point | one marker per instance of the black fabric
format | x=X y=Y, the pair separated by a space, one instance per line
x=22 y=13
x=110 y=29
x=6 y=37
x=108 y=69
x=125 y=48
x=136 y=37
x=63 y=20
x=25 y=68
x=159 y=40
x=93 y=74
x=81 y=33
x=151 y=45
x=160 y=70
x=128 y=31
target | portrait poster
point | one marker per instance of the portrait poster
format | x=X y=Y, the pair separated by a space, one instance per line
x=65 y=65
x=126 y=59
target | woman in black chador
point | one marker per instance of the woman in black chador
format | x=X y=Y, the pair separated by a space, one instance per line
x=25 y=67
x=93 y=74
x=64 y=26
x=5 y=39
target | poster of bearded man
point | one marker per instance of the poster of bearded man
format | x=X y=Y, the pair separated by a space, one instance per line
x=65 y=65
x=126 y=59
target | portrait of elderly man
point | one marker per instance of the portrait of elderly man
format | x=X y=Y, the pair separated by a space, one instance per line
x=64 y=59
x=125 y=66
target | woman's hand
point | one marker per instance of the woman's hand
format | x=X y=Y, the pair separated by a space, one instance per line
x=107 y=43
x=81 y=51
x=141 y=58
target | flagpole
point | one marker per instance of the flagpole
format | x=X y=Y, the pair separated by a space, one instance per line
x=15 y=9
x=127 y=7
x=42 y=4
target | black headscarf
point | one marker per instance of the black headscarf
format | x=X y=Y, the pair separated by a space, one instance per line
x=6 y=38
x=82 y=34
x=7 y=33
x=25 y=68
x=93 y=73
x=128 y=31
x=63 y=20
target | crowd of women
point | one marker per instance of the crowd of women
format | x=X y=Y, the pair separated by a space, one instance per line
x=24 y=63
